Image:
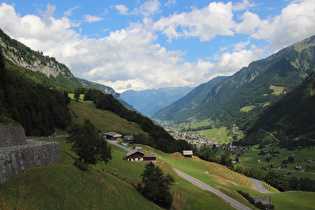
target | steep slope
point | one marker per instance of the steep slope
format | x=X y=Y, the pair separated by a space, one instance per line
x=21 y=55
x=180 y=108
x=38 y=108
x=248 y=91
x=150 y=101
x=290 y=121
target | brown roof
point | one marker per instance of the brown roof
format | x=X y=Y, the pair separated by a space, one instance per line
x=133 y=152
x=150 y=155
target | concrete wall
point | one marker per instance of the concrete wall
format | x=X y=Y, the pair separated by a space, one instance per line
x=11 y=136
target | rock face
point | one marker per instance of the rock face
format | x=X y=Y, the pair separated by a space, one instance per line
x=17 y=153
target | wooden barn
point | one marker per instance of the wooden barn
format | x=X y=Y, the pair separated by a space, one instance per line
x=128 y=139
x=112 y=135
x=135 y=155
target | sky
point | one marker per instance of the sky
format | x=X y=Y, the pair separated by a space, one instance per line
x=147 y=44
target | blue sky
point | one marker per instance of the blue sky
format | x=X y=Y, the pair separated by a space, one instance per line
x=157 y=43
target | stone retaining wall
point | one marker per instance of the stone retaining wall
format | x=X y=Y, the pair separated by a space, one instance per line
x=19 y=154
x=11 y=136
x=14 y=161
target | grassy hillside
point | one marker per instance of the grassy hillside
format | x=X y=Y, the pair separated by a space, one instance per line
x=102 y=119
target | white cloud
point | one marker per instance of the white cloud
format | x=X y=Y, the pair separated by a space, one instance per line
x=245 y=4
x=250 y=22
x=122 y=9
x=48 y=14
x=231 y=62
x=205 y=23
x=68 y=13
x=149 y=7
x=296 y=22
x=92 y=19
x=170 y=3
x=241 y=45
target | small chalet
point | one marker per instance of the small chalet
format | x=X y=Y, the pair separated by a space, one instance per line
x=128 y=139
x=137 y=155
x=187 y=153
x=112 y=136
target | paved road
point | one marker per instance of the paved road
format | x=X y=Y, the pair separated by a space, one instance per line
x=259 y=186
x=114 y=142
x=204 y=186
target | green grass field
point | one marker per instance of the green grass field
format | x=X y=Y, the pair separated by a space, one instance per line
x=104 y=120
x=220 y=135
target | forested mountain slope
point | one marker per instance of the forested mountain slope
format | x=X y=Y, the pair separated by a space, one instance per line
x=180 y=108
x=263 y=82
x=290 y=122
x=58 y=75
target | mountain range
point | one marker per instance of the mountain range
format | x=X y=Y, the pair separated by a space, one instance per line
x=150 y=101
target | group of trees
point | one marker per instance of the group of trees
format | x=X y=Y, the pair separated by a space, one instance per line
x=158 y=137
x=208 y=154
x=38 y=108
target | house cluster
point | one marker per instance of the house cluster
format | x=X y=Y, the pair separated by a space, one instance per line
x=134 y=155
x=128 y=139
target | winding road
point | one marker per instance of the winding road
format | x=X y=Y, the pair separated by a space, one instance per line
x=259 y=186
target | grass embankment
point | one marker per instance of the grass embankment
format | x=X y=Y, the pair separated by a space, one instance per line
x=102 y=119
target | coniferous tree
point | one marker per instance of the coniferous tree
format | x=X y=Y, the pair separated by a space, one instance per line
x=156 y=186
